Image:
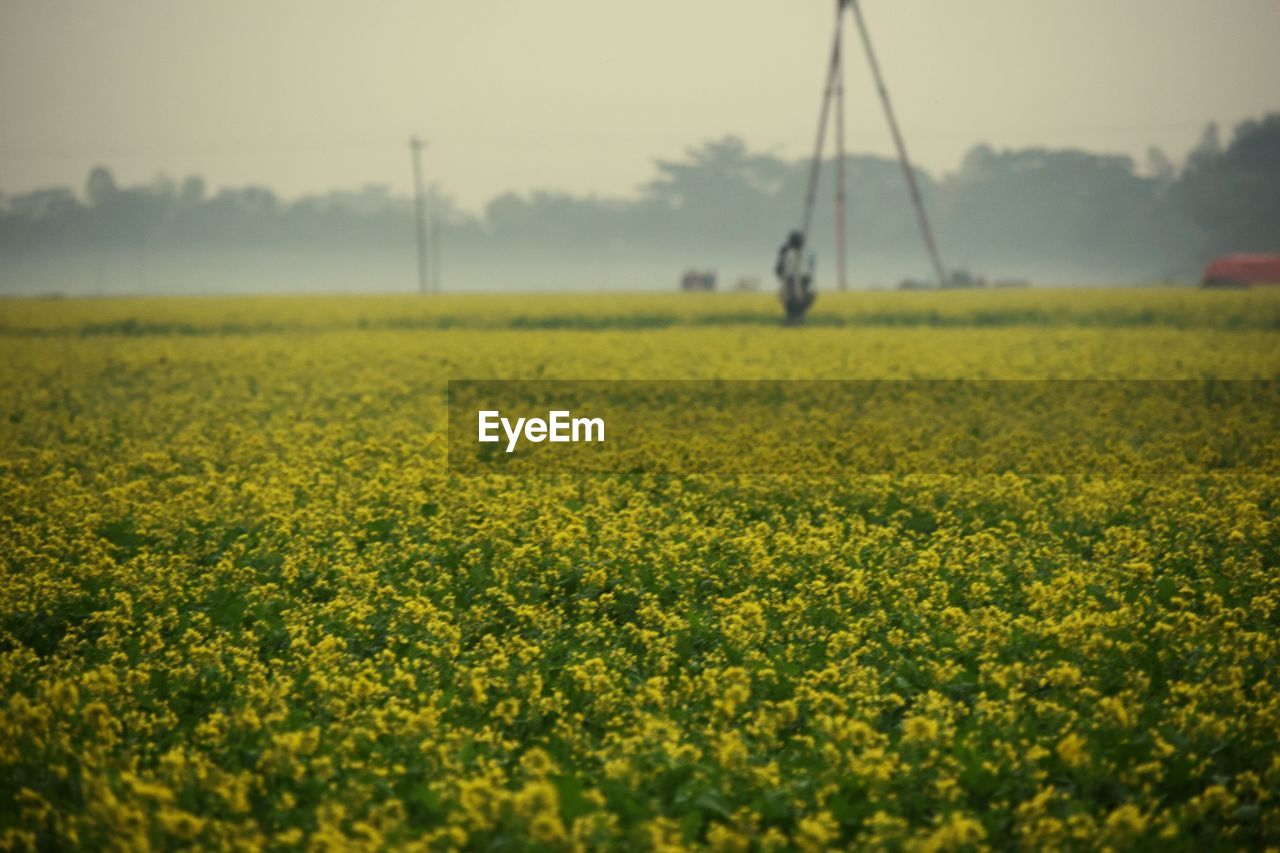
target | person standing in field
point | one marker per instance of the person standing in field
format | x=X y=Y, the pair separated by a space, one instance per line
x=796 y=277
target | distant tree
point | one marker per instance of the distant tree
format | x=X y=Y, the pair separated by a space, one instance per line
x=713 y=169
x=1035 y=212
x=48 y=206
x=1068 y=211
x=100 y=188
x=1208 y=149
x=369 y=200
x=720 y=193
x=552 y=219
x=192 y=190
x=442 y=207
x=1159 y=167
x=1234 y=196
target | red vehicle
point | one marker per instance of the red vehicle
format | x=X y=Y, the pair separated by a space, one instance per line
x=1242 y=271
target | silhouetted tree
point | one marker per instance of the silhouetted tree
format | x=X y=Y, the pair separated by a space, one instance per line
x=100 y=188
x=1159 y=167
x=1208 y=149
x=1036 y=212
x=1080 y=213
x=191 y=193
x=1234 y=197
x=721 y=193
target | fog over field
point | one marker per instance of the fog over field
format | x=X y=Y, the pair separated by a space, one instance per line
x=235 y=148
x=1049 y=216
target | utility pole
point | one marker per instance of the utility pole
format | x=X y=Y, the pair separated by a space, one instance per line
x=419 y=206
x=437 y=250
x=140 y=259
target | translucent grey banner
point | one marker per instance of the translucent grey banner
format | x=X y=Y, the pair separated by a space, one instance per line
x=1115 y=428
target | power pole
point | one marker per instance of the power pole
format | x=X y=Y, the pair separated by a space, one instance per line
x=140 y=259
x=436 y=254
x=420 y=210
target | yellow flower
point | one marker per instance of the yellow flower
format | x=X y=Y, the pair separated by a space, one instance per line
x=816 y=832
x=1072 y=749
x=919 y=729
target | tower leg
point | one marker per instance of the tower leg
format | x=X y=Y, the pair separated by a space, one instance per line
x=840 y=166
x=925 y=231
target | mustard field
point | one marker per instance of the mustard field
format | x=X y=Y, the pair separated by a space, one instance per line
x=245 y=604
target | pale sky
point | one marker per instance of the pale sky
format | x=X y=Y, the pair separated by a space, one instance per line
x=582 y=95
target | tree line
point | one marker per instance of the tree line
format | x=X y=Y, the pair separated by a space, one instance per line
x=1035 y=212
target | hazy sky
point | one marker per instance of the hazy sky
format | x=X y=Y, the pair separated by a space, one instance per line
x=582 y=95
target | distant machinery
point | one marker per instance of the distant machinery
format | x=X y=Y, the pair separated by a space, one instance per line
x=698 y=281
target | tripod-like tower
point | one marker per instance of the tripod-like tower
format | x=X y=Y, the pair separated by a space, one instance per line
x=833 y=93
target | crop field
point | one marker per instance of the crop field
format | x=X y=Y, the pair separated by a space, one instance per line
x=245 y=604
